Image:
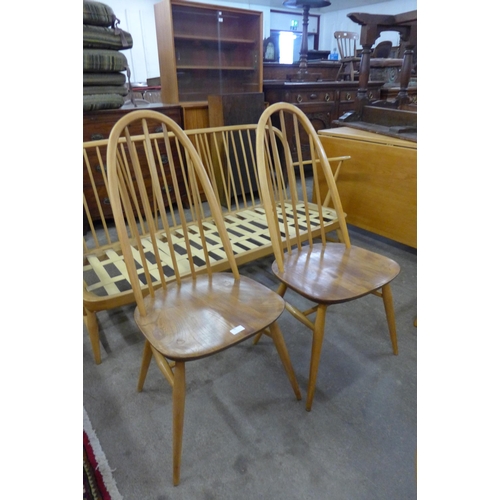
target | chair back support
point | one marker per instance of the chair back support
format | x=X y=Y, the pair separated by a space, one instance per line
x=346 y=42
x=288 y=192
x=156 y=232
x=382 y=50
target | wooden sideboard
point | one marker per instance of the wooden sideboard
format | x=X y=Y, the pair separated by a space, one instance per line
x=322 y=101
x=97 y=125
x=378 y=185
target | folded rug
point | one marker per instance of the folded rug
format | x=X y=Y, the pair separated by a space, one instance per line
x=103 y=79
x=105 y=89
x=98 y=482
x=102 y=101
x=99 y=37
x=98 y=14
x=103 y=60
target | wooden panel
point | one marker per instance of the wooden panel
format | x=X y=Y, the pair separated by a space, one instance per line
x=378 y=186
x=195 y=115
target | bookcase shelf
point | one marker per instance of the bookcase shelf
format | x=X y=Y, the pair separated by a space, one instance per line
x=205 y=49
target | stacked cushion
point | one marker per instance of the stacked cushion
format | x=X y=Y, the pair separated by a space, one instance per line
x=104 y=66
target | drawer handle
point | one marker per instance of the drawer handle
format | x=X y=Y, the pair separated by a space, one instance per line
x=164 y=159
x=96 y=137
x=106 y=201
x=327 y=97
x=299 y=98
x=158 y=129
x=348 y=96
x=370 y=95
x=99 y=169
x=313 y=96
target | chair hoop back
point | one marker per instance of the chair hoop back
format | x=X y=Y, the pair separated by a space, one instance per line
x=145 y=173
x=346 y=41
x=287 y=149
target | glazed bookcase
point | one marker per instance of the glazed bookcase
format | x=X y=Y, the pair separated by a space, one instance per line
x=207 y=49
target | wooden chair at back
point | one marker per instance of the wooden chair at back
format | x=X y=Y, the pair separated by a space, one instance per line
x=189 y=311
x=322 y=271
x=382 y=50
x=349 y=62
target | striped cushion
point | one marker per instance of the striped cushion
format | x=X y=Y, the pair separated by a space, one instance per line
x=102 y=60
x=103 y=79
x=98 y=14
x=98 y=37
x=103 y=89
x=102 y=101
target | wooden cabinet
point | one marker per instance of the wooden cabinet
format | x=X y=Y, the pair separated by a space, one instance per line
x=378 y=185
x=97 y=125
x=206 y=49
x=322 y=101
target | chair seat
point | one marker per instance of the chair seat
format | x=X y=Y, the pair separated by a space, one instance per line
x=333 y=273
x=203 y=316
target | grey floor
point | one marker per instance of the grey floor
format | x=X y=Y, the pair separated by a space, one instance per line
x=245 y=435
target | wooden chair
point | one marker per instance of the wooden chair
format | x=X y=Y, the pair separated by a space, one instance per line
x=184 y=314
x=349 y=62
x=323 y=272
x=382 y=50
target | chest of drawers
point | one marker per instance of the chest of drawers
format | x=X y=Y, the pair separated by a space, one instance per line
x=97 y=125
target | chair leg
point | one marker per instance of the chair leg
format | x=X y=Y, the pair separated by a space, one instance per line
x=90 y=318
x=178 y=404
x=339 y=73
x=391 y=318
x=279 y=342
x=317 y=343
x=146 y=360
x=281 y=292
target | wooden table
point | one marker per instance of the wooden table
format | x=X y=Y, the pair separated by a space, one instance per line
x=378 y=186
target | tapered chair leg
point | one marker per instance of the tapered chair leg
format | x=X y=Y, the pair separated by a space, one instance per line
x=178 y=404
x=147 y=354
x=93 y=329
x=317 y=343
x=279 y=342
x=281 y=292
x=391 y=318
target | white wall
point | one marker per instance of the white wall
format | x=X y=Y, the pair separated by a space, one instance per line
x=137 y=17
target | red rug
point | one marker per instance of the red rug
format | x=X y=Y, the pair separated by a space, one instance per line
x=98 y=482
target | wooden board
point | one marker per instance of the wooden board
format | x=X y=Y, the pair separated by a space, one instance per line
x=378 y=186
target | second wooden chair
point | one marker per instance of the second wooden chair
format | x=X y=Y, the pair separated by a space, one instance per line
x=322 y=271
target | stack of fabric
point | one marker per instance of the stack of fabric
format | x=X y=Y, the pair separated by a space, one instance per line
x=105 y=68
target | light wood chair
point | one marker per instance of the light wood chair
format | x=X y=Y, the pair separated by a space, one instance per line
x=349 y=62
x=184 y=315
x=322 y=271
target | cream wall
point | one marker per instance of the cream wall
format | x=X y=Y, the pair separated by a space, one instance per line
x=137 y=17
